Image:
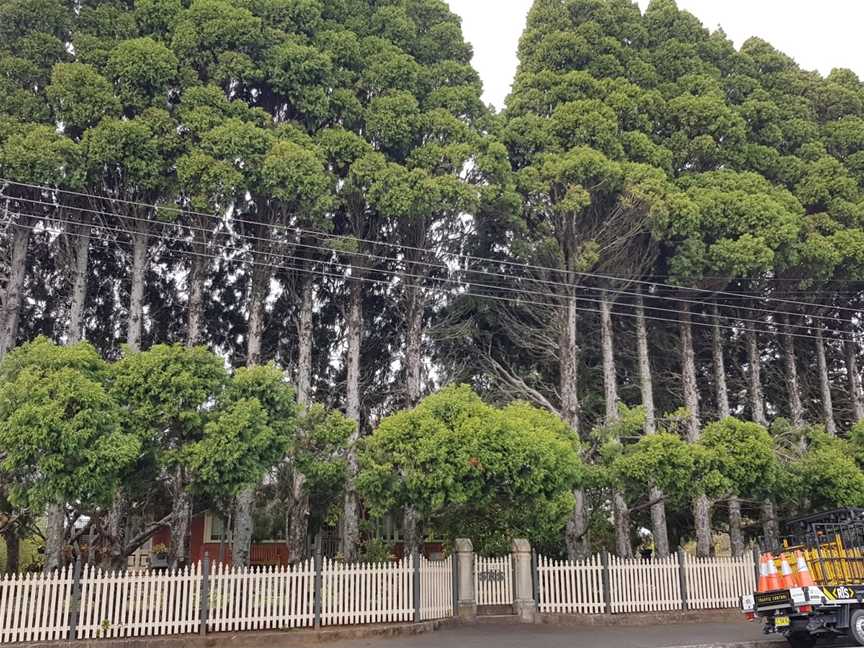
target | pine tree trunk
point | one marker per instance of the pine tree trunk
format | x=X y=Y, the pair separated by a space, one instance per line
x=736 y=535
x=723 y=410
x=135 y=324
x=55 y=536
x=569 y=369
x=646 y=380
x=702 y=519
x=258 y=292
x=770 y=526
x=350 y=540
x=297 y=510
x=659 y=529
x=411 y=531
x=13 y=549
x=297 y=519
x=195 y=307
x=757 y=397
x=610 y=388
x=856 y=396
x=115 y=528
x=305 y=339
x=243 y=527
x=688 y=375
x=244 y=503
x=414 y=347
x=181 y=511
x=576 y=533
x=607 y=341
x=793 y=387
x=13 y=296
x=78 y=298
x=825 y=382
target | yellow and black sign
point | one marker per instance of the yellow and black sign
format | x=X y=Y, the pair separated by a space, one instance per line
x=843 y=592
x=764 y=599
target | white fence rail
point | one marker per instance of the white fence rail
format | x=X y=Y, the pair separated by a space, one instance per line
x=436 y=589
x=634 y=585
x=493 y=580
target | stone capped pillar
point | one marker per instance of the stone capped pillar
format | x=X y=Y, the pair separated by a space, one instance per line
x=466 y=604
x=524 y=605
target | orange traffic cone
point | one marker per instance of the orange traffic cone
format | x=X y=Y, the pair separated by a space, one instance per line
x=787 y=580
x=804 y=577
x=763 y=574
x=773 y=578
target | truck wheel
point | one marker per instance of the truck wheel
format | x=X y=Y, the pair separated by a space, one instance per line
x=801 y=640
x=856 y=626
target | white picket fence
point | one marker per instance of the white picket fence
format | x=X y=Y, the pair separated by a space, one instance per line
x=34 y=607
x=567 y=587
x=367 y=592
x=272 y=598
x=436 y=589
x=635 y=585
x=640 y=586
x=493 y=580
x=149 y=603
x=718 y=582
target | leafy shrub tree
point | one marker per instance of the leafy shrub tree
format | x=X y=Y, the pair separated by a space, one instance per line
x=473 y=470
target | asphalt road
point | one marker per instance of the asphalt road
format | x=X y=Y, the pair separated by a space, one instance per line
x=540 y=636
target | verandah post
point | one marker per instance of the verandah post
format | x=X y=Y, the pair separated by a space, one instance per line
x=75 y=603
x=204 y=603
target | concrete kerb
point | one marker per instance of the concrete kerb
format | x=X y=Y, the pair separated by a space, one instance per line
x=254 y=638
x=640 y=620
x=740 y=644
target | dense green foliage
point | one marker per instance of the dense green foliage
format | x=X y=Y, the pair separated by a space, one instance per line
x=471 y=470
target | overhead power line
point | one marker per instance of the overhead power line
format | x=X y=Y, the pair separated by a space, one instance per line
x=400 y=276
x=180 y=211
x=448 y=269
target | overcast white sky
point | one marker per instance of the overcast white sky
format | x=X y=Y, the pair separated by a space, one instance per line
x=819 y=34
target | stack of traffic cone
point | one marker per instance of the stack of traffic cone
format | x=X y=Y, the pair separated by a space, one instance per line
x=773 y=578
x=787 y=580
x=769 y=581
x=805 y=580
x=804 y=577
x=763 y=574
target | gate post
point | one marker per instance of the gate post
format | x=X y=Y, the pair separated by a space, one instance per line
x=524 y=605
x=607 y=583
x=75 y=603
x=204 y=603
x=466 y=605
x=682 y=576
x=415 y=593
